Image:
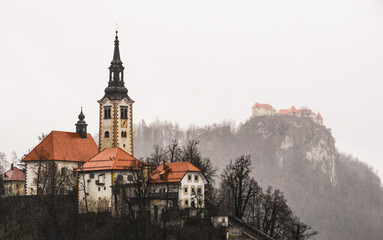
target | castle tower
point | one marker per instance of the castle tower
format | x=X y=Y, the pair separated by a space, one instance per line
x=116 y=109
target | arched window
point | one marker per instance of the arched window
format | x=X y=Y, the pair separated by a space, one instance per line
x=106 y=134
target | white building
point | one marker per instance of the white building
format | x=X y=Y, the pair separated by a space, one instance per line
x=65 y=151
x=100 y=174
x=182 y=182
x=260 y=109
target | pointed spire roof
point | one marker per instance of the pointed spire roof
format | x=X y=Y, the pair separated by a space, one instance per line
x=116 y=54
x=293 y=110
x=319 y=116
x=116 y=89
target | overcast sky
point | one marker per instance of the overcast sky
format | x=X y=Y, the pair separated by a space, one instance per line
x=196 y=62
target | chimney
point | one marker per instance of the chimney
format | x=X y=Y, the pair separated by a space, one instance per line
x=165 y=161
x=12 y=166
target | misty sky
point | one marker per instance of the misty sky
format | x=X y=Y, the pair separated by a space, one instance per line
x=196 y=62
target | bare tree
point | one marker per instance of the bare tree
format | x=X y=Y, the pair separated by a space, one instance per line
x=133 y=195
x=42 y=136
x=236 y=176
x=174 y=151
x=3 y=162
x=191 y=153
x=157 y=157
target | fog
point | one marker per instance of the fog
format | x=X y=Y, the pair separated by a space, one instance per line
x=195 y=62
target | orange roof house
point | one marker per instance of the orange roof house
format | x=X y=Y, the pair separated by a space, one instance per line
x=172 y=172
x=111 y=159
x=185 y=182
x=261 y=109
x=102 y=172
x=64 y=146
x=262 y=105
x=14 y=174
x=14 y=182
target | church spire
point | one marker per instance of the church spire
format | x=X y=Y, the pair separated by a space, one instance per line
x=116 y=89
x=116 y=54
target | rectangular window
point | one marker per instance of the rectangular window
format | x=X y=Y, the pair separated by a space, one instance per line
x=91 y=176
x=107 y=112
x=124 y=112
x=196 y=178
x=186 y=203
x=189 y=178
x=192 y=189
x=199 y=190
x=101 y=178
x=186 y=189
x=99 y=189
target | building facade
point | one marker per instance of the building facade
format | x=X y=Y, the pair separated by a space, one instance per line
x=99 y=175
x=261 y=109
x=14 y=182
x=180 y=182
x=59 y=151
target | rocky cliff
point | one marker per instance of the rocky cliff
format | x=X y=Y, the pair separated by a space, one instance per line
x=336 y=194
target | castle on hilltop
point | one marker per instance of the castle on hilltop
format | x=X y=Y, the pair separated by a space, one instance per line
x=107 y=178
x=261 y=109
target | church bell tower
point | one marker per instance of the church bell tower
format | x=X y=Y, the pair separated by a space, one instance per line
x=116 y=108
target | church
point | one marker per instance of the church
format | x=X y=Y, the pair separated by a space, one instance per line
x=104 y=175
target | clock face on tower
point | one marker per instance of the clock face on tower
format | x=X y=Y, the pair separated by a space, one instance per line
x=124 y=123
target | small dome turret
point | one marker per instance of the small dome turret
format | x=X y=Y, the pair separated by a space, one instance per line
x=81 y=116
x=81 y=125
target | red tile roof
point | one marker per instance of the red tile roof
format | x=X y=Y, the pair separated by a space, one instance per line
x=111 y=159
x=293 y=110
x=14 y=174
x=283 y=111
x=261 y=105
x=64 y=146
x=319 y=116
x=173 y=172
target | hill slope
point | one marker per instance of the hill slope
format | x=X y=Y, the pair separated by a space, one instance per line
x=334 y=193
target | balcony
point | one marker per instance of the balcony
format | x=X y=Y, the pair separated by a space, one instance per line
x=170 y=195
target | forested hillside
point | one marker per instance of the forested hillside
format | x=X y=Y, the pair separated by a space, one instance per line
x=336 y=194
